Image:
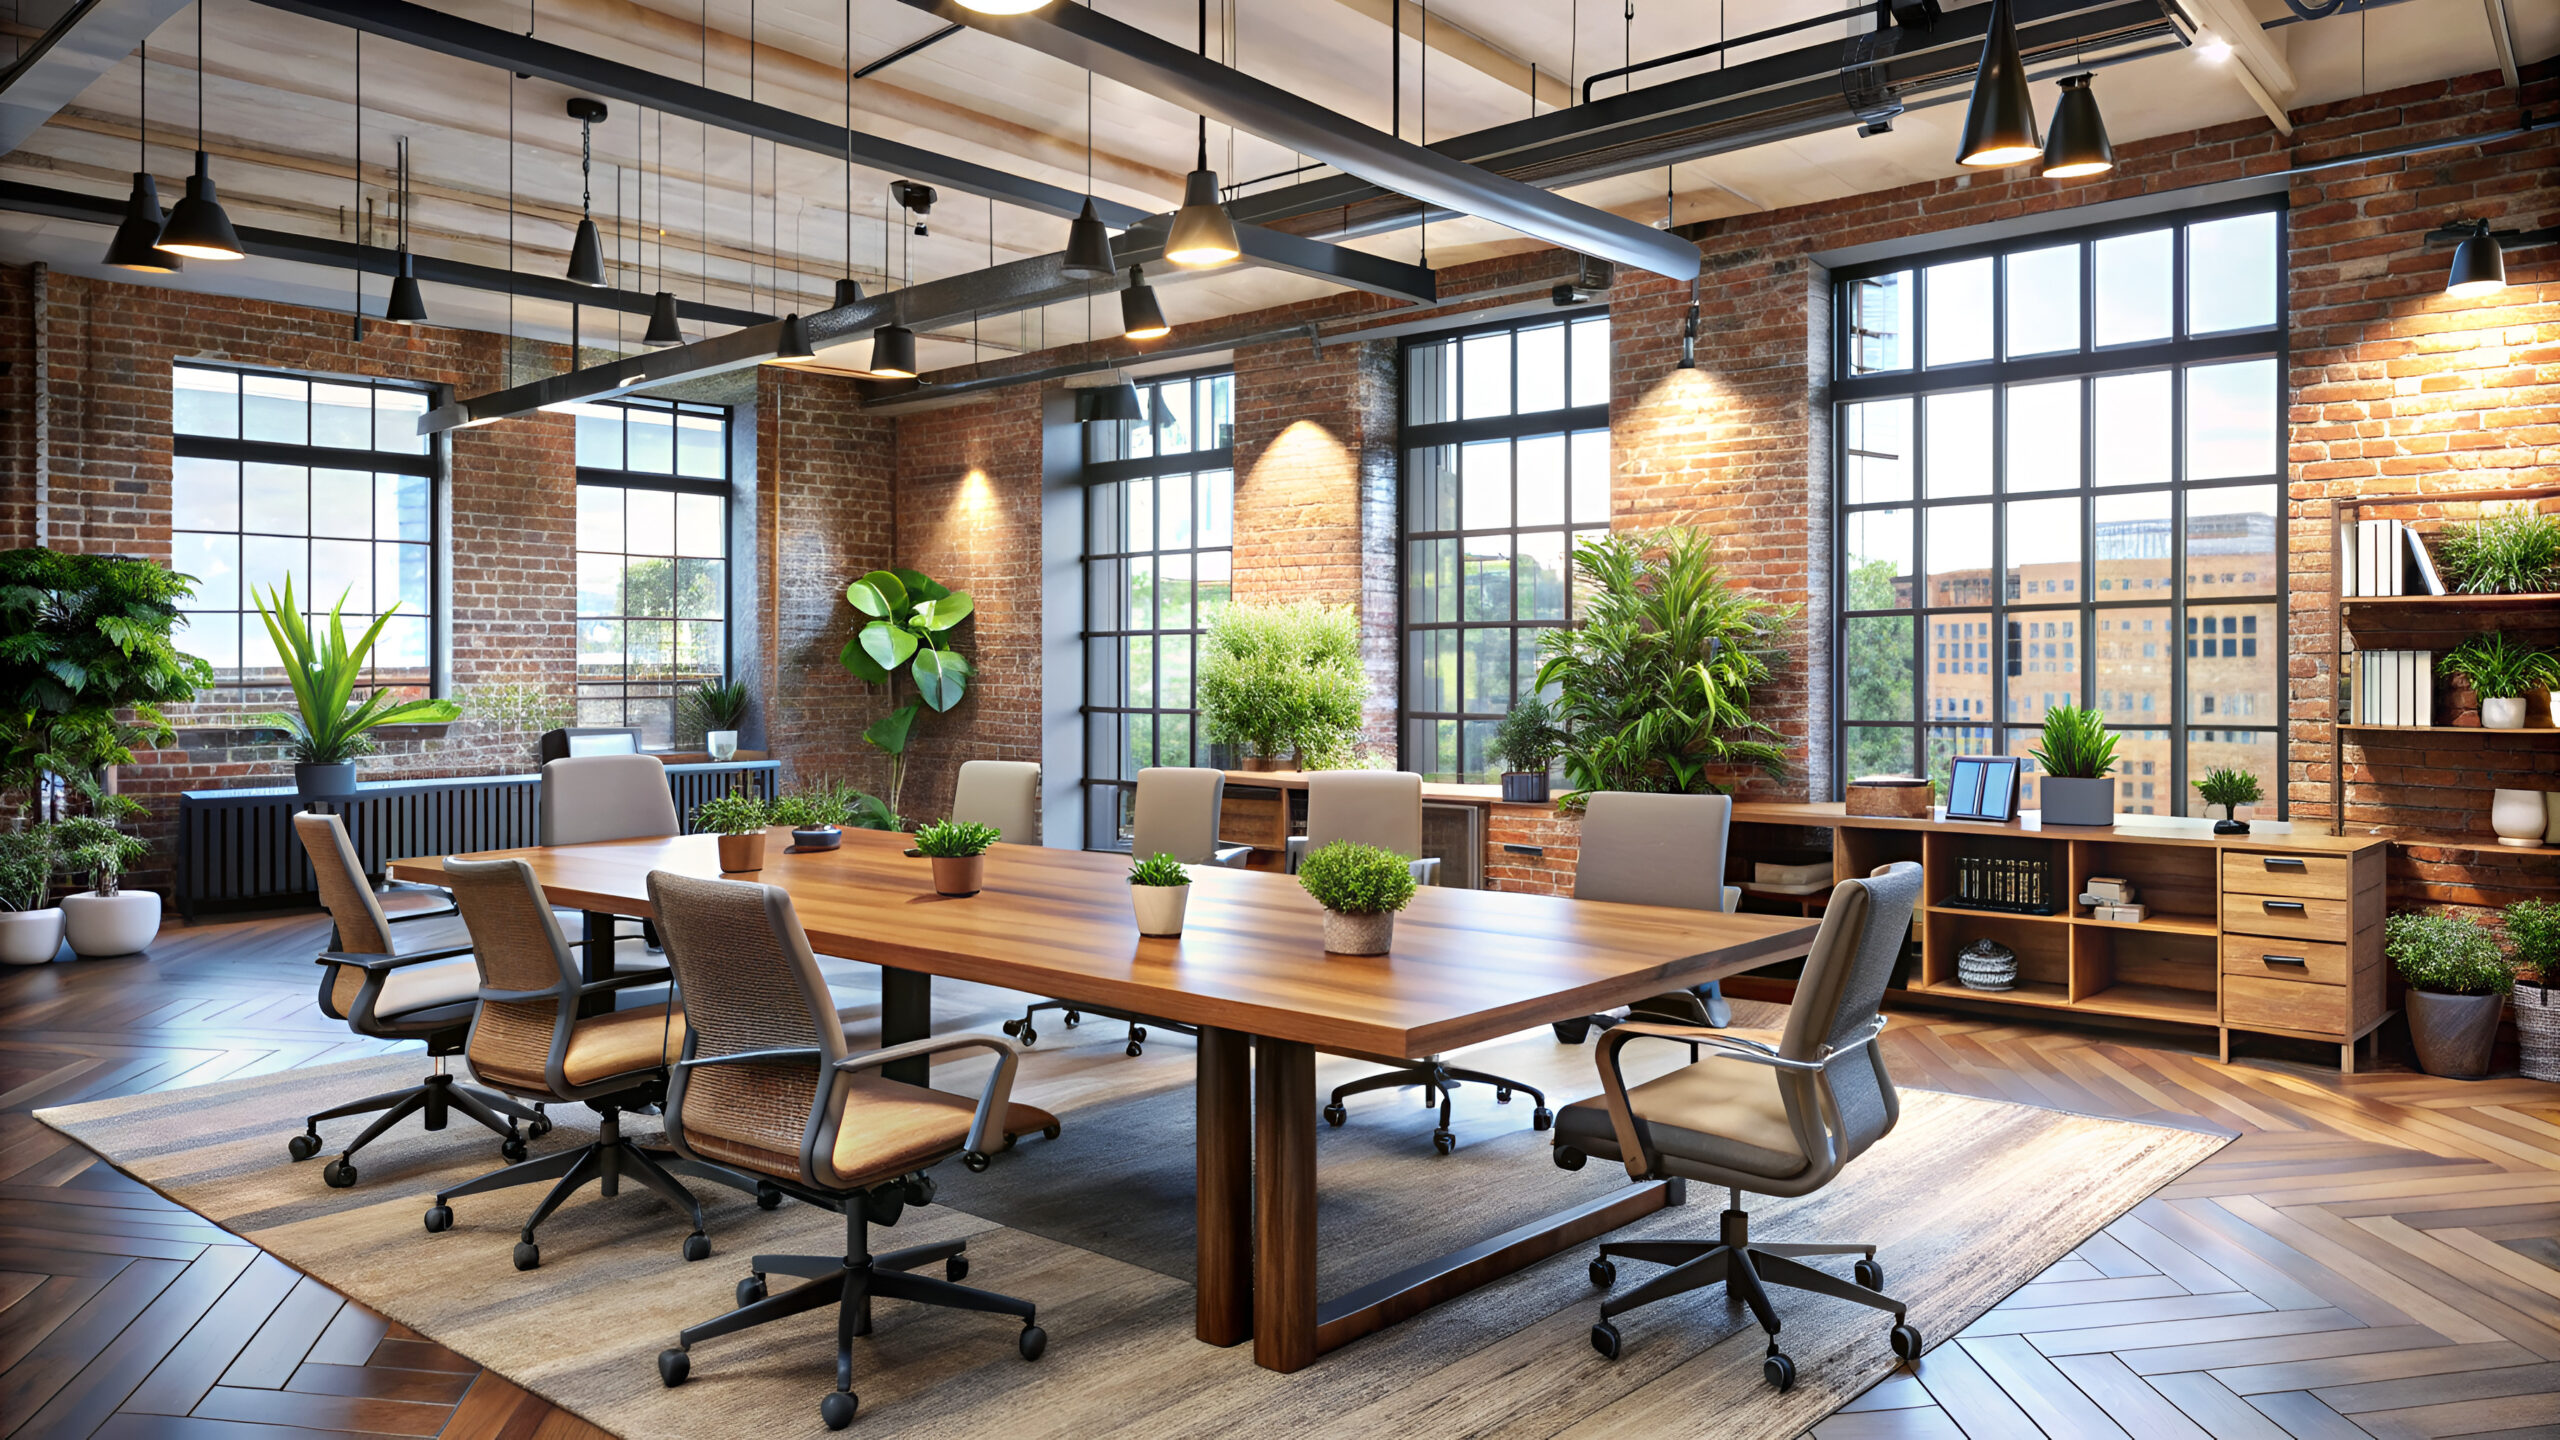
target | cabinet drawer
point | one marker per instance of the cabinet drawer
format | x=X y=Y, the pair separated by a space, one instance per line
x=2325 y=876
x=2295 y=960
x=2297 y=917
x=2249 y=1000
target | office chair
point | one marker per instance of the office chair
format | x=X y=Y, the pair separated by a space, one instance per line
x=767 y=1084
x=587 y=798
x=1773 y=1122
x=1001 y=793
x=1640 y=849
x=427 y=995
x=1177 y=810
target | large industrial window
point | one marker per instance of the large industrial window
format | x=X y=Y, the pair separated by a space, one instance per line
x=1159 y=549
x=1506 y=466
x=2060 y=481
x=653 y=560
x=326 y=481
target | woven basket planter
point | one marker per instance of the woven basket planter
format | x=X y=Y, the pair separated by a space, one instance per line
x=2538 y=1030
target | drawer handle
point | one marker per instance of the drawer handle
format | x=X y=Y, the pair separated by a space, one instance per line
x=2290 y=907
x=2286 y=960
x=2287 y=862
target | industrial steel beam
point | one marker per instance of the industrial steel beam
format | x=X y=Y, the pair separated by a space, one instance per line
x=88 y=39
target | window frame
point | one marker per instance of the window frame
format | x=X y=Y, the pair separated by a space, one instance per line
x=723 y=488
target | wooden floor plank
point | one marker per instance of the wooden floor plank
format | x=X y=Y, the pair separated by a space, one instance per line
x=2223 y=1415
x=2127 y=1399
x=2304 y=1418
x=1971 y=1398
x=2051 y=1400
x=2358 y=1369
x=84 y=1402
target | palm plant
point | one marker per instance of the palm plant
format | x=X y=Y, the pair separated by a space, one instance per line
x=330 y=727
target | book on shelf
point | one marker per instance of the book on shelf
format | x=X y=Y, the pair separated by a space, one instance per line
x=2381 y=556
x=2422 y=565
x=2394 y=688
x=1765 y=874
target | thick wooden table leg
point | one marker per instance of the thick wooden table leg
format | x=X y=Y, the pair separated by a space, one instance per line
x=906 y=1013
x=1224 y=1307
x=595 y=958
x=1284 y=1205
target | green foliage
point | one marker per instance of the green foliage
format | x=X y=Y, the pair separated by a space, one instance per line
x=331 y=726
x=2501 y=668
x=735 y=813
x=710 y=706
x=1159 y=869
x=1280 y=678
x=2077 y=745
x=2227 y=786
x=907 y=632
x=1654 y=688
x=85 y=636
x=28 y=856
x=2515 y=553
x=832 y=802
x=2533 y=939
x=1528 y=738
x=2448 y=954
x=956 y=839
x=94 y=841
x=1357 y=879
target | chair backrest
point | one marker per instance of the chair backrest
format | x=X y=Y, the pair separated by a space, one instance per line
x=606 y=797
x=520 y=949
x=1178 y=813
x=1840 y=992
x=581 y=740
x=362 y=927
x=1374 y=807
x=1002 y=793
x=1653 y=849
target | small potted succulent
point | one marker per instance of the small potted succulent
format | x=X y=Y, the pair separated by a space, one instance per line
x=2225 y=790
x=1159 y=890
x=2458 y=985
x=2503 y=672
x=30 y=924
x=1526 y=744
x=2076 y=757
x=739 y=819
x=1361 y=887
x=958 y=850
x=2533 y=943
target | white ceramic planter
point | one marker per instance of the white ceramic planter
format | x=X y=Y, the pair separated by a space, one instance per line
x=30 y=937
x=2503 y=713
x=2519 y=817
x=124 y=923
x=1358 y=934
x=721 y=744
x=1159 y=907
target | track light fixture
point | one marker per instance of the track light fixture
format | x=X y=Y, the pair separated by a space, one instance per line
x=2480 y=255
x=893 y=352
x=2000 y=120
x=1002 y=7
x=198 y=229
x=2078 y=145
x=586 y=253
x=1141 y=318
x=136 y=242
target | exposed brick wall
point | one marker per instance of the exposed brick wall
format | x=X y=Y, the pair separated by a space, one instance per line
x=825 y=513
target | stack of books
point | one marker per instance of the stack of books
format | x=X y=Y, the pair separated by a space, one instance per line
x=2393 y=687
x=2388 y=556
x=2109 y=898
x=1810 y=879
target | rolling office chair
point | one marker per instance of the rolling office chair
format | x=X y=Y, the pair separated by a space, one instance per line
x=1177 y=814
x=767 y=1084
x=586 y=798
x=1384 y=808
x=427 y=995
x=1001 y=793
x=1774 y=1122
x=1641 y=849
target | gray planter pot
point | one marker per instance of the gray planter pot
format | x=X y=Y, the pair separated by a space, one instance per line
x=326 y=782
x=2454 y=1032
x=1524 y=787
x=2538 y=1031
x=2078 y=802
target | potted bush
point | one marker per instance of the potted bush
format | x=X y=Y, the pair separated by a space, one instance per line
x=30 y=925
x=329 y=730
x=105 y=919
x=958 y=850
x=2225 y=790
x=739 y=819
x=714 y=711
x=2457 y=989
x=2516 y=553
x=1361 y=887
x=2503 y=671
x=1159 y=889
x=2533 y=943
x=1283 y=684
x=2076 y=757
x=1525 y=744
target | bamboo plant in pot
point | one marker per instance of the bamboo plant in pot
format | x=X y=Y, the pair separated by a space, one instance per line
x=329 y=729
x=30 y=924
x=2504 y=672
x=958 y=850
x=105 y=919
x=2077 y=756
x=1159 y=890
x=1526 y=744
x=1361 y=887
x=739 y=819
x=2533 y=943
x=2458 y=986
x=2225 y=790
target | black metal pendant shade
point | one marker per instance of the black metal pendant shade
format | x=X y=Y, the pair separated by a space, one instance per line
x=1089 y=247
x=135 y=246
x=893 y=352
x=848 y=292
x=1203 y=234
x=795 y=340
x=1141 y=318
x=2000 y=120
x=665 y=328
x=1116 y=401
x=408 y=304
x=2479 y=265
x=586 y=255
x=2078 y=145
x=198 y=229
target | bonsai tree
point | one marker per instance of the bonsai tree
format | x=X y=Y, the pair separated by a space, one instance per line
x=1349 y=878
x=2515 y=553
x=907 y=632
x=331 y=727
x=2501 y=668
x=956 y=839
x=1527 y=739
x=1280 y=678
x=711 y=706
x=2229 y=788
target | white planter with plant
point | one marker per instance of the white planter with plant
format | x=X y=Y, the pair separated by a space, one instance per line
x=329 y=730
x=2504 y=672
x=713 y=711
x=739 y=819
x=1283 y=684
x=30 y=927
x=958 y=850
x=105 y=919
x=2533 y=945
x=2458 y=987
x=2076 y=758
x=2225 y=790
x=1361 y=887
x=1159 y=891
x=1525 y=745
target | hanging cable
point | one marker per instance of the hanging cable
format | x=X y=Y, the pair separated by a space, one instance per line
x=363 y=239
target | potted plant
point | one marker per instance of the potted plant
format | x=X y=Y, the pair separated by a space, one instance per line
x=2515 y=553
x=958 y=850
x=908 y=631
x=1159 y=890
x=330 y=728
x=30 y=925
x=2077 y=754
x=86 y=660
x=2457 y=989
x=1525 y=744
x=816 y=815
x=2225 y=790
x=105 y=919
x=2503 y=671
x=1284 y=685
x=1361 y=887
x=739 y=819
x=714 y=711
x=2533 y=943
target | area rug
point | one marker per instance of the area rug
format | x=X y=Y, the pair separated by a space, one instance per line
x=1968 y=1199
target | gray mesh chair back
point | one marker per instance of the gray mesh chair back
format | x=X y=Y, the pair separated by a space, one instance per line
x=517 y=1042
x=589 y=798
x=1001 y=793
x=1653 y=849
x=1837 y=1001
x=1177 y=813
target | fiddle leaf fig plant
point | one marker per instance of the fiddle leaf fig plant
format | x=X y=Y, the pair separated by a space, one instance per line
x=907 y=626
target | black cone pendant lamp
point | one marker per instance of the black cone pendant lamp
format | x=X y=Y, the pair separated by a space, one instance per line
x=2078 y=145
x=136 y=242
x=848 y=291
x=1141 y=318
x=586 y=253
x=2000 y=120
x=893 y=352
x=1088 y=247
x=2479 y=265
x=665 y=327
x=1203 y=233
x=795 y=340
x=198 y=229
x=407 y=305
x=1115 y=401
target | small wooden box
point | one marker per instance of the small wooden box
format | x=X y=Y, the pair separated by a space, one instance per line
x=1906 y=797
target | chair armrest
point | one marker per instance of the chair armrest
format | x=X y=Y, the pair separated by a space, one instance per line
x=624 y=980
x=1727 y=1046
x=989 y=1124
x=804 y=1053
x=1732 y=898
x=1231 y=856
x=383 y=964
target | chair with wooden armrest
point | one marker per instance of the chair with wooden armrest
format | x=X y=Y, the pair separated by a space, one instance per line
x=1640 y=849
x=767 y=1084
x=426 y=995
x=1773 y=1121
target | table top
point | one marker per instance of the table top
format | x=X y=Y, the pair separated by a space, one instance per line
x=1466 y=965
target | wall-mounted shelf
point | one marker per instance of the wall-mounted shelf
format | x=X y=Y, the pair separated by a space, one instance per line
x=2486 y=843
x=2458 y=603
x=2448 y=730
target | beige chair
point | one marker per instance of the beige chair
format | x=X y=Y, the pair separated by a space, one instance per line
x=591 y=798
x=1001 y=793
x=427 y=995
x=767 y=1084
x=1639 y=849
x=1777 y=1121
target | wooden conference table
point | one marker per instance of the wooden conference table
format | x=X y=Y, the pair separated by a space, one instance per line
x=1251 y=971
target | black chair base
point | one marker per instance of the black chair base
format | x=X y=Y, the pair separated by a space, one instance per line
x=1437 y=1079
x=435 y=1100
x=1711 y=1010
x=850 y=1282
x=605 y=1163
x=1022 y=1029
x=1746 y=1271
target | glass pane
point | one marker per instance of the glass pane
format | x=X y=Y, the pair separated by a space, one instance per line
x=651 y=436
x=2231 y=274
x=701 y=647
x=702 y=589
x=215 y=562
x=2044 y=300
x=1487 y=578
x=1879 y=320
x=266 y=560
x=1141 y=497
x=2135 y=657
x=1218 y=509
x=649 y=586
x=599 y=584
x=1957 y=460
x=1141 y=611
x=1221 y=424
x=1959 y=547
x=1173 y=739
x=1173 y=592
x=1531 y=651
x=1431 y=489
x=2044 y=436
x=342 y=416
x=651 y=516
x=2043 y=659
x=1212 y=584
x=700 y=526
x=1488 y=674
x=396 y=414
x=400 y=507
x=702 y=443
x=1431 y=383
x=1876 y=669
x=1879 y=559
x=1875 y=438
x=400 y=652
x=600 y=517
x=275 y=499
x=214 y=638
x=1959 y=315
x=1141 y=436
x=1541 y=462
x=1541 y=363
x=599 y=435
x=1484 y=369
x=341 y=576
x=1431 y=582
x=2232 y=542
x=400 y=578
x=1538 y=572
x=1142 y=670
x=1173 y=418
x=2133 y=546
x=1872 y=751
x=2044 y=550
x=1956 y=667
x=2133 y=287
x=1429 y=684
x=653 y=649
x=258 y=662
x=1173 y=512
x=1487 y=480
x=2254 y=751
x=1591 y=361
x=2231 y=664
x=2231 y=420
x=204 y=494
x=342 y=503
x=2131 y=441
x=1475 y=768
x=273 y=407
x=204 y=402
x=1173 y=670
x=1591 y=477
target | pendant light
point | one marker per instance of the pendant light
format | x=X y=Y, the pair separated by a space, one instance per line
x=2078 y=145
x=198 y=229
x=1001 y=7
x=586 y=253
x=2479 y=265
x=1115 y=401
x=893 y=352
x=795 y=340
x=2000 y=120
x=1141 y=318
x=666 y=328
x=407 y=305
x=1089 y=254
x=1203 y=233
x=135 y=242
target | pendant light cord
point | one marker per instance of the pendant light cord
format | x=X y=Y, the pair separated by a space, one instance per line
x=200 y=4
x=848 y=140
x=145 y=123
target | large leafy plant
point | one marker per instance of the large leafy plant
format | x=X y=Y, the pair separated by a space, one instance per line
x=907 y=631
x=1654 y=688
x=86 y=662
x=2501 y=668
x=2077 y=745
x=1281 y=678
x=331 y=726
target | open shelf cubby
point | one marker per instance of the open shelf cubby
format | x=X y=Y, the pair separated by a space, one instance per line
x=2162 y=967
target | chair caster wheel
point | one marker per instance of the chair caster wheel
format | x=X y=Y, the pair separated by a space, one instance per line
x=1542 y=1118
x=1604 y=1271
x=697 y=1246
x=1571 y=1032
x=1570 y=1159
x=1604 y=1338
x=439 y=1219
x=1502 y=1095
x=303 y=1147
x=1136 y=1050
x=1868 y=1273
x=539 y=1127
x=1048 y=1132
x=1444 y=1141
x=1074 y=1018
x=339 y=1173
x=1011 y=1027
x=512 y=1148
x=1034 y=1342
x=1334 y=1114
x=673 y=1366
x=1906 y=1342
x=528 y=1255
x=750 y=1290
x=956 y=1269
x=921 y=1189
x=768 y=1198
x=1028 y=1036
x=1780 y=1371
x=974 y=1162
x=837 y=1409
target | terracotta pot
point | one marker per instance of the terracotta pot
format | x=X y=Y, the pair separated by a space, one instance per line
x=1159 y=907
x=30 y=937
x=124 y=923
x=2506 y=712
x=1358 y=934
x=959 y=876
x=740 y=853
x=2454 y=1033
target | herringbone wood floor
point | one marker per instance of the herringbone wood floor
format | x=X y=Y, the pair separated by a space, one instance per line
x=2375 y=1256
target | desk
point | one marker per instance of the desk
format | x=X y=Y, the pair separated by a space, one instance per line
x=1251 y=972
